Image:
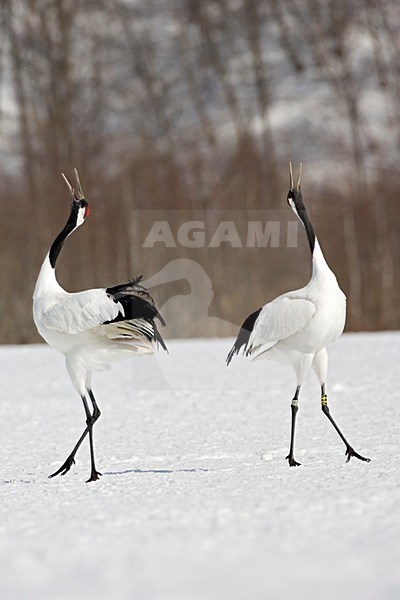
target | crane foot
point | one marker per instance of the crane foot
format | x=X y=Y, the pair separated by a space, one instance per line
x=64 y=468
x=95 y=475
x=292 y=462
x=350 y=452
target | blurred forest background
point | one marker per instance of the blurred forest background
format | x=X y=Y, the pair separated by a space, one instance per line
x=189 y=105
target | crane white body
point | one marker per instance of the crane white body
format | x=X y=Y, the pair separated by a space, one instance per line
x=73 y=324
x=302 y=322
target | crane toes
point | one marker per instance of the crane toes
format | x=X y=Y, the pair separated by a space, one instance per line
x=292 y=462
x=350 y=452
x=64 y=468
x=95 y=475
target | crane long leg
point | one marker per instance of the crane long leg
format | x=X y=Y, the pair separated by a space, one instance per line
x=295 y=408
x=71 y=458
x=94 y=475
x=325 y=409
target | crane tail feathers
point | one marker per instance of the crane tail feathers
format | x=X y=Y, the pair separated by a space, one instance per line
x=158 y=338
x=243 y=337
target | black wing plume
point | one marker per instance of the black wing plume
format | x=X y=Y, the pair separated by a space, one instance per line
x=243 y=335
x=137 y=304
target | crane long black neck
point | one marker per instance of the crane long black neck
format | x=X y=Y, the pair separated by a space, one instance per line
x=60 y=239
x=295 y=200
x=308 y=227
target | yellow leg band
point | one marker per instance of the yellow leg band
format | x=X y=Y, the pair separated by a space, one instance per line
x=324 y=400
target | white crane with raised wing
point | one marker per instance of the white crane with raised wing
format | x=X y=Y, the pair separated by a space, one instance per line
x=93 y=328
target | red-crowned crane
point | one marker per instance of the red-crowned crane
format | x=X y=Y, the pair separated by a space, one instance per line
x=92 y=328
x=298 y=325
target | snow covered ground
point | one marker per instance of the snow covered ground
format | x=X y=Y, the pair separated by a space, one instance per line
x=197 y=501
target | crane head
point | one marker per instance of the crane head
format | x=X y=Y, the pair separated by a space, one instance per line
x=79 y=206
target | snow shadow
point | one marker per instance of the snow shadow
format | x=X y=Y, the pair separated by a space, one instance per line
x=157 y=471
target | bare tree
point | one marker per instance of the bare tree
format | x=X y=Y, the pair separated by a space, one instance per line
x=170 y=106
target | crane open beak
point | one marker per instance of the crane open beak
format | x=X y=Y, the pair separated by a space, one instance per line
x=71 y=189
x=80 y=195
x=79 y=187
x=298 y=177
